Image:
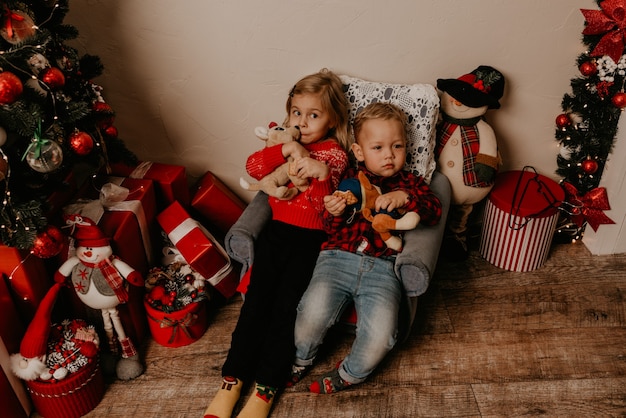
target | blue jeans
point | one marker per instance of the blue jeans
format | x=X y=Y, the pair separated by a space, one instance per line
x=339 y=278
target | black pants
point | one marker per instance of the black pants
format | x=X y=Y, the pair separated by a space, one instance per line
x=262 y=347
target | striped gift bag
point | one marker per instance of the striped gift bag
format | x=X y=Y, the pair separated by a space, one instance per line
x=519 y=220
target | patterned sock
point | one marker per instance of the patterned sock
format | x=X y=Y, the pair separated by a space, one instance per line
x=330 y=383
x=297 y=373
x=260 y=402
x=225 y=399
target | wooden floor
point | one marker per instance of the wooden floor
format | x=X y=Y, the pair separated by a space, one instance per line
x=487 y=343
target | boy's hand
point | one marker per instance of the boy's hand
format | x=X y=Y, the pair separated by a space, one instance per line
x=392 y=200
x=335 y=205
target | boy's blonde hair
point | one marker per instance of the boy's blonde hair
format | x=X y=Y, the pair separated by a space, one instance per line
x=328 y=85
x=379 y=110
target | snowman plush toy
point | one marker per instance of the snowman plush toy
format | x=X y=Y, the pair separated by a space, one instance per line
x=467 y=151
x=100 y=281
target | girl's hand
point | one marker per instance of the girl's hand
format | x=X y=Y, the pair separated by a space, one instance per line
x=335 y=205
x=311 y=168
x=392 y=200
x=294 y=150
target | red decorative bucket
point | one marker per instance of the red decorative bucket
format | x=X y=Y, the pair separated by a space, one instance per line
x=71 y=397
x=519 y=221
x=178 y=328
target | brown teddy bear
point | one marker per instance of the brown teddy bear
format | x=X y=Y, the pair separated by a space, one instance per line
x=275 y=183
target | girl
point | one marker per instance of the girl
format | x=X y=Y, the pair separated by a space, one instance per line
x=262 y=345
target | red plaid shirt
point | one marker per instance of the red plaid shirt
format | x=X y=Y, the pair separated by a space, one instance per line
x=357 y=235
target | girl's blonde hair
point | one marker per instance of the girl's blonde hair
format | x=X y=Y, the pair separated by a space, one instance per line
x=328 y=85
x=379 y=110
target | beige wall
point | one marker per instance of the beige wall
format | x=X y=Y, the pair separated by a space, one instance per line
x=190 y=79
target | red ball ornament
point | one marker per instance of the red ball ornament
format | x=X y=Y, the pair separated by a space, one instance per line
x=104 y=113
x=563 y=121
x=53 y=77
x=588 y=68
x=619 y=100
x=589 y=166
x=49 y=242
x=111 y=131
x=10 y=88
x=81 y=143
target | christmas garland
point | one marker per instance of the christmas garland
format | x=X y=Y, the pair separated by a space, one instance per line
x=587 y=126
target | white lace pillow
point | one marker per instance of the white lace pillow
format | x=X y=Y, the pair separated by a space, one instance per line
x=421 y=104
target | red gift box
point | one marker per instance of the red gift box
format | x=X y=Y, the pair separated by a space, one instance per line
x=199 y=248
x=519 y=220
x=170 y=180
x=217 y=203
x=28 y=279
x=178 y=328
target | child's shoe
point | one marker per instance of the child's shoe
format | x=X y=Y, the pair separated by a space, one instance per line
x=330 y=383
x=225 y=399
x=297 y=373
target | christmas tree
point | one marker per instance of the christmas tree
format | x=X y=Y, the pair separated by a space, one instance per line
x=53 y=119
x=587 y=127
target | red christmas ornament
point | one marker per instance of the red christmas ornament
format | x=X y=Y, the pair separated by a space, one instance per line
x=10 y=88
x=49 y=242
x=53 y=77
x=81 y=143
x=619 y=100
x=588 y=68
x=589 y=166
x=111 y=131
x=563 y=121
x=104 y=113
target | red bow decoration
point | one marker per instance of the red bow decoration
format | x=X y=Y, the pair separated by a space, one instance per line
x=588 y=207
x=610 y=22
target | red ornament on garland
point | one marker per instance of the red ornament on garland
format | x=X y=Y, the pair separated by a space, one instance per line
x=588 y=68
x=53 y=77
x=81 y=143
x=563 y=121
x=48 y=243
x=105 y=114
x=10 y=88
x=589 y=166
x=619 y=100
x=111 y=131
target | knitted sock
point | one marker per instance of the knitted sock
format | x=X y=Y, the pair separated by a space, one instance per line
x=330 y=383
x=225 y=399
x=297 y=373
x=259 y=403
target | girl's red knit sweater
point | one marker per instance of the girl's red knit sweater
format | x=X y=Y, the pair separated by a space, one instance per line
x=306 y=208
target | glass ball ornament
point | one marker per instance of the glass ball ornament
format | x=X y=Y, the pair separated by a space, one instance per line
x=588 y=68
x=45 y=156
x=81 y=143
x=53 y=77
x=48 y=243
x=563 y=121
x=619 y=100
x=11 y=87
x=589 y=166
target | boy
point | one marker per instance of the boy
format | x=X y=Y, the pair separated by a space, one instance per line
x=355 y=263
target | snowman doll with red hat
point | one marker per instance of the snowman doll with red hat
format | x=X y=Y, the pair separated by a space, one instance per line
x=467 y=150
x=100 y=281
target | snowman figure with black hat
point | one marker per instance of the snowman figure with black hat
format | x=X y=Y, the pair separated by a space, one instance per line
x=467 y=150
x=100 y=281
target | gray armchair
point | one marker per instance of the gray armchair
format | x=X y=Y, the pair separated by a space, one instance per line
x=416 y=263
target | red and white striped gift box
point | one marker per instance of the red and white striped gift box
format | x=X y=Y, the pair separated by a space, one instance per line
x=520 y=217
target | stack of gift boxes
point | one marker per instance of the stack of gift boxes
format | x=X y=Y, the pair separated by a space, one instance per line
x=159 y=204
